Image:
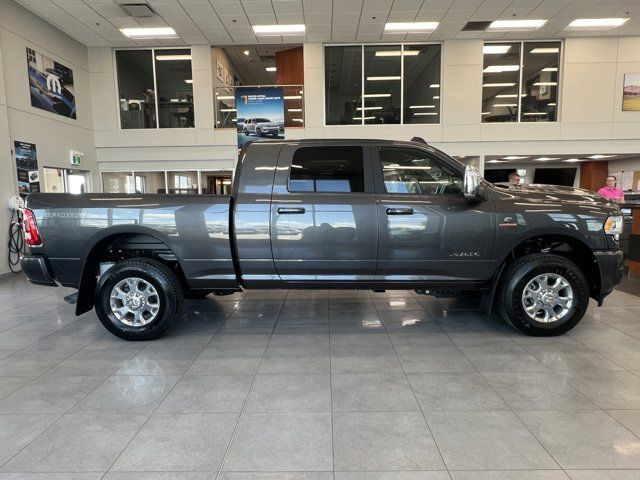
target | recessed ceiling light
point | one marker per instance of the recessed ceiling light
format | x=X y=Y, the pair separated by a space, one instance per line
x=596 y=23
x=516 y=24
x=545 y=84
x=278 y=29
x=190 y=81
x=383 y=78
x=410 y=26
x=397 y=53
x=436 y=97
x=270 y=69
x=172 y=57
x=376 y=95
x=534 y=114
x=227 y=109
x=505 y=104
x=513 y=157
x=545 y=159
x=369 y=108
x=486 y=113
x=551 y=104
x=507 y=95
x=434 y=85
x=496 y=161
x=545 y=50
x=422 y=106
x=292 y=97
x=596 y=157
x=297 y=120
x=246 y=52
x=495 y=49
x=499 y=84
x=501 y=68
x=424 y=114
x=550 y=69
x=149 y=32
x=226 y=97
x=572 y=160
x=294 y=109
x=364 y=118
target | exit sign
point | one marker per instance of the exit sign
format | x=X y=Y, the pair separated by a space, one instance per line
x=75 y=157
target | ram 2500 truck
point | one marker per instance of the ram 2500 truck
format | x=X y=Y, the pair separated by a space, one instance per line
x=331 y=214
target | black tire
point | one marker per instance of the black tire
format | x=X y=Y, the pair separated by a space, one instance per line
x=520 y=273
x=197 y=294
x=169 y=293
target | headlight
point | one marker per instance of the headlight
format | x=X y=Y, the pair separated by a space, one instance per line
x=613 y=225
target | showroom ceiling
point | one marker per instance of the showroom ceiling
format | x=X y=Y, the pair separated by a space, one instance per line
x=554 y=159
x=229 y=22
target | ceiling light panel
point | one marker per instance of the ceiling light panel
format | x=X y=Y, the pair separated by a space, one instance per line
x=596 y=23
x=495 y=49
x=155 y=32
x=410 y=26
x=501 y=68
x=520 y=25
x=278 y=29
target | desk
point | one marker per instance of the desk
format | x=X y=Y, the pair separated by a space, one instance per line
x=634 y=240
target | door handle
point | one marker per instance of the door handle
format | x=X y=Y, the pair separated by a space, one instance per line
x=399 y=211
x=291 y=211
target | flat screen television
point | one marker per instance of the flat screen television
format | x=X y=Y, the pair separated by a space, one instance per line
x=497 y=175
x=555 y=176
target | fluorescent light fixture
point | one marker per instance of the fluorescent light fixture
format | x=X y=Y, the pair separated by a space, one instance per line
x=424 y=114
x=513 y=157
x=545 y=159
x=496 y=161
x=270 y=69
x=227 y=109
x=507 y=95
x=188 y=81
x=505 y=104
x=246 y=52
x=436 y=97
x=545 y=84
x=149 y=32
x=596 y=157
x=297 y=120
x=364 y=118
x=172 y=57
x=495 y=49
x=516 y=24
x=596 y=23
x=294 y=109
x=434 y=85
x=422 y=106
x=572 y=160
x=397 y=53
x=499 y=84
x=376 y=95
x=550 y=69
x=292 y=97
x=410 y=26
x=278 y=29
x=369 y=108
x=226 y=97
x=383 y=78
x=534 y=114
x=501 y=68
x=551 y=104
x=545 y=50
x=486 y=113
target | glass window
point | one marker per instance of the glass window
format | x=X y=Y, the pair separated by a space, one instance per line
x=520 y=82
x=540 y=81
x=117 y=182
x=136 y=89
x=53 y=180
x=215 y=183
x=343 y=84
x=185 y=183
x=175 y=88
x=327 y=169
x=150 y=182
x=421 y=83
x=415 y=172
x=382 y=85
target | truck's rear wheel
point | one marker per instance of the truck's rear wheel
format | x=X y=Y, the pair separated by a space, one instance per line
x=138 y=299
x=543 y=294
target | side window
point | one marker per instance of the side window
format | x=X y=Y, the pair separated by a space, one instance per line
x=415 y=172
x=327 y=169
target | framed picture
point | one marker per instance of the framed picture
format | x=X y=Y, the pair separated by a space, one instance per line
x=51 y=85
x=219 y=70
x=631 y=92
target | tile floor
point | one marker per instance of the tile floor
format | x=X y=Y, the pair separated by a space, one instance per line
x=317 y=385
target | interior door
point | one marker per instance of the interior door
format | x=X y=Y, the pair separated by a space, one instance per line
x=323 y=215
x=428 y=231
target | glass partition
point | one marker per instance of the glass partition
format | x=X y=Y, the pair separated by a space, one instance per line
x=117 y=182
x=136 y=89
x=540 y=81
x=421 y=83
x=382 y=85
x=215 y=183
x=150 y=182
x=182 y=183
x=175 y=88
x=342 y=84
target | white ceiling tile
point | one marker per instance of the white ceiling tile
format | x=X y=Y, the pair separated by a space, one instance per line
x=406 y=5
x=109 y=11
x=262 y=19
x=343 y=38
x=49 y=11
x=239 y=20
x=402 y=16
x=207 y=21
x=318 y=29
x=515 y=13
x=417 y=37
x=465 y=4
x=287 y=6
x=246 y=40
x=179 y=22
x=367 y=37
x=485 y=15
x=430 y=15
x=290 y=18
x=81 y=11
x=458 y=15
x=317 y=18
x=198 y=40
x=344 y=29
x=376 y=5
x=374 y=17
x=124 y=22
x=371 y=28
x=319 y=38
x=347 y=6
x=168 y=9
x=228 y=8
x=152 y=21
x=198 y=8
x=240 y=31
x=314 y=6
x=496 y=4
x=346 y=17
x=437 y=4
x=257 y=7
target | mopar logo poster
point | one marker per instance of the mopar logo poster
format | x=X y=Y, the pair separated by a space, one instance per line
x=27 y=167
x=259 y=113
x=51 y=85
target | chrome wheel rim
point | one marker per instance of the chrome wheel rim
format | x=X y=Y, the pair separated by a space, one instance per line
x=547 y=298
x=134 y=302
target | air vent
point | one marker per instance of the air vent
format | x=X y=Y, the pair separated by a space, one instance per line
x=476 y=26
x=138 y=9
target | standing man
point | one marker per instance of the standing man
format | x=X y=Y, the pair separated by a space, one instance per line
x=611 y=192
x=514 y=178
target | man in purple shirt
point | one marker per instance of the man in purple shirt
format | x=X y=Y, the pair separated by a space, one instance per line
x=611 y=192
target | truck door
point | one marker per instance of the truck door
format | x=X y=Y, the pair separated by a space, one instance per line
x=428 y=231
x=323 y=214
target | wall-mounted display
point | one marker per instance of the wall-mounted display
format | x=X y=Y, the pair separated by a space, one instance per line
x=27 y=167
x=260 y=113
x=51 y=85
x=631 y=92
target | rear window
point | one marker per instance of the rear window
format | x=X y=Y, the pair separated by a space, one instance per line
x=327 y=169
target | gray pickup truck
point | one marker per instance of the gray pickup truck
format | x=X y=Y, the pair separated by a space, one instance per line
x=331 y=214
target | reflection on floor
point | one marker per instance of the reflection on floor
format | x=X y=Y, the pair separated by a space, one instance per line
x=331 y=385
x=630 y=285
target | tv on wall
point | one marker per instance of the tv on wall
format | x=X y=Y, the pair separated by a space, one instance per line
x=555 y=176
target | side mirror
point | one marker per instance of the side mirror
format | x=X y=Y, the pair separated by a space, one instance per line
x=471 y=183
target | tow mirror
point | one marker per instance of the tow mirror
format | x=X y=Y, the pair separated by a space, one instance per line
x=472 y=188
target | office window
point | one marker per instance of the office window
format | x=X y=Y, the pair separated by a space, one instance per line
x=155 y=88
x=150 y=182
x=327 y=169
x=343 y=84
x=118 y=182
x=382 y=84
x=415 y=172
x=421 y=83
x=520 y=81
x=185 y=183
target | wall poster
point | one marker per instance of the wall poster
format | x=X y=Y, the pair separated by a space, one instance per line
x=631 y=92
x=27 y=167
x=259 y=113
x=51 y=85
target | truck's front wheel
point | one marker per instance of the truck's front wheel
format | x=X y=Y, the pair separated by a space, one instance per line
x=543 y=294
x=138 y=299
